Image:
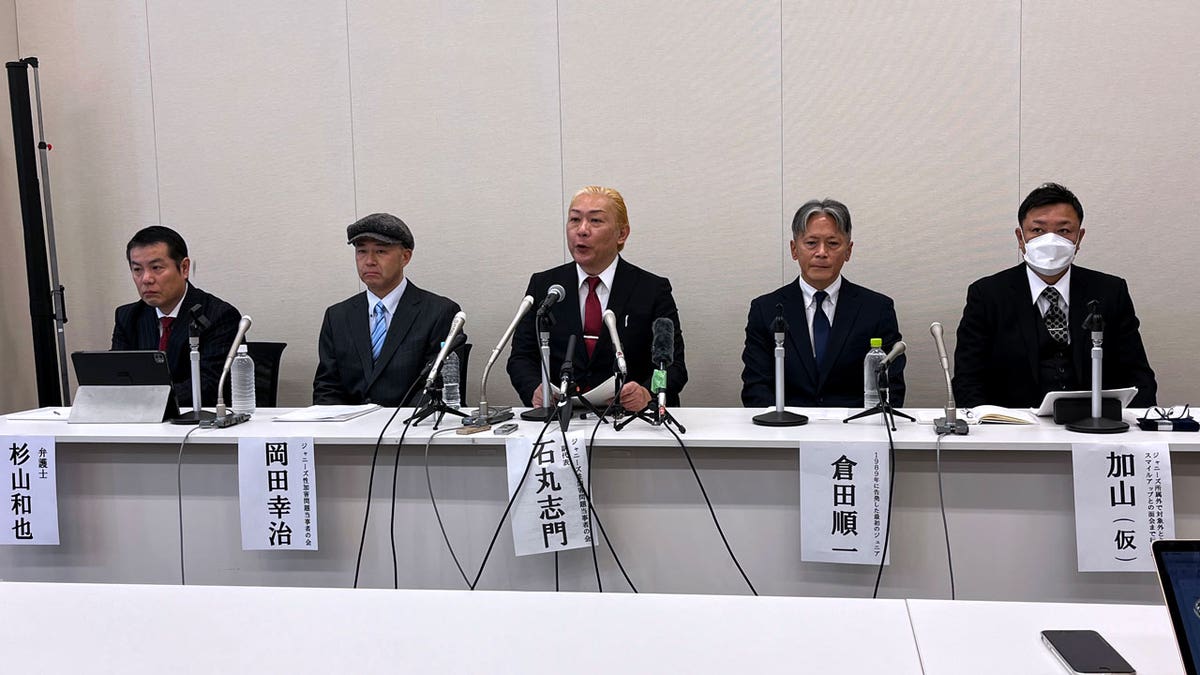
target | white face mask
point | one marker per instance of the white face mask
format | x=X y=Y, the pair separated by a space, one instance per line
x=1049 y=253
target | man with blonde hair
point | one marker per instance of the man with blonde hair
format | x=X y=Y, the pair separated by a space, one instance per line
x=597 y=279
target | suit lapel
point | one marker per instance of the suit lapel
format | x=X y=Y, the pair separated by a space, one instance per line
x=402 y=321
x=359 y=325
x=148 y=329
x=797 y=319
x=844 y=317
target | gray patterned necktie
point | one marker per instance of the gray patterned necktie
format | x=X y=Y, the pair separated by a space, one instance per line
x=1056 y=319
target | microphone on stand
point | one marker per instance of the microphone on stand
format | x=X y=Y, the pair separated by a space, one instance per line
x=610 y=320
x=223 y=419
x=197 y=323
x=554 y=294
x=455 y=328
x=483 y=416
x=662 y=353
x=567 y=376
x=897 y=350
x=779 y=417
x=950 y=424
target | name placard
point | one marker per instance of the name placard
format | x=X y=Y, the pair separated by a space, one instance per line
x=1123 y=501
x=550 y=513
x=31 y=485
x=277 y=493
x=843 y=501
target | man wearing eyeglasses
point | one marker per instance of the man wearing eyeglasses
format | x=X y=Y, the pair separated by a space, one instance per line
x=1021 y=334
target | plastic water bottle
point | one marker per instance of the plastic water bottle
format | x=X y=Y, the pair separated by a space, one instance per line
x=870 y=377
x=242 y=374
x=450 y=380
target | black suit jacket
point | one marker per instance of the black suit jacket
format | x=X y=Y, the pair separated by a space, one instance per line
x=637 y=298
x=996 y=355
x=861 y=314
x=345 y=372
x=136 y=327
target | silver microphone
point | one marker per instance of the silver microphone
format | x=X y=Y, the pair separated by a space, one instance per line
x=950 y=424
x=455 y=327
x=610 y=320
x=897 y=350
x=243 y=327
x=553 y=294
x=522 y=310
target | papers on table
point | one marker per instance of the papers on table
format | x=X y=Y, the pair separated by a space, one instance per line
x=327 y=413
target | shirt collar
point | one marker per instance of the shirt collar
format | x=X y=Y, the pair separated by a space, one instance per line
x=391 y=300
x=1037 y=285
x=832 y=289
x=606 y=277
x=174 y=314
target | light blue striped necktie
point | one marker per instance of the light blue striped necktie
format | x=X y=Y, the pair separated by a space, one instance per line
x=378 y=329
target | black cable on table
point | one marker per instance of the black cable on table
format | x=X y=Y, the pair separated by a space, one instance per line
x=179 y=494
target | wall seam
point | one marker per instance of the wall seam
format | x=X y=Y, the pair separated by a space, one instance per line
x=153 y=115
x=350 y=91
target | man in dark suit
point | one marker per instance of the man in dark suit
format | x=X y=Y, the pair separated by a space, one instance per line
x=158 y=260
x=374 y=345
x=1021 y=333
x=831 y=322
x=598 y=279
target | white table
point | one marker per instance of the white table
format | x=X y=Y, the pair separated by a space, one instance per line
x=1005 y=637
x=1008 y=499
x=113 y=628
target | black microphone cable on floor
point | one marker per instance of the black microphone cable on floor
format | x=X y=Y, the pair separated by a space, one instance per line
x=942 y=506
x=711 y=511
x=371 y=480
x=179 y=494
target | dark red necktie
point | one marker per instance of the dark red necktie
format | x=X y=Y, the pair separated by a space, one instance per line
x=592 y=322
x=166 y=332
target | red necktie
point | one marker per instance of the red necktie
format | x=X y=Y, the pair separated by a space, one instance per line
x=591 y=316
x=166 y=332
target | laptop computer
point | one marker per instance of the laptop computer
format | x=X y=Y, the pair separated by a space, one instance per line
x=124 y=368
x=1178 y=563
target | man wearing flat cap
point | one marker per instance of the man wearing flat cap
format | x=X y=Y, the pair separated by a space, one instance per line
x=374 y=344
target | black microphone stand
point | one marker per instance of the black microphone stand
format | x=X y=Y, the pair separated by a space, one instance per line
x=652 y=414
x=884 y=407
x=434 y=405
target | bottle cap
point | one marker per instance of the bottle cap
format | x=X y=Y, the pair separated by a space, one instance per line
x=876 y=343
x=242 y=349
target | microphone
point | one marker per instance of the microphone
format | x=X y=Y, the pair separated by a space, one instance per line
x=950 y=424
x=897 y=350
x=566 y=373
x=779 y=326
x=481 y=415
x=455 y=328
x=610 y=320
x=454 y=344
x=662 y=352
x=243 y=327
x=554 y=294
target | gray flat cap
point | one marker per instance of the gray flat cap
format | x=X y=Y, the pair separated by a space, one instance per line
x=382 y=227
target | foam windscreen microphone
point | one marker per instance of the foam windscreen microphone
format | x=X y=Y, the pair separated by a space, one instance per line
x=662 y=347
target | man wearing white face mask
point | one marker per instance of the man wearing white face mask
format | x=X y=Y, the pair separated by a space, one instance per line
x=1021 y=333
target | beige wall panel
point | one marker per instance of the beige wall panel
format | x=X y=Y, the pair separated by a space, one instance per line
x=907 y=114
x=1109 y=103
x=96 y=100
x=253 y=115
x=456 y=130
x=680 y=110
x=19 y=385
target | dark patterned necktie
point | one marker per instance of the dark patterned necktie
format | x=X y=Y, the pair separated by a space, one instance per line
x=820 y=326
x=1056 y=320
x=166 y=332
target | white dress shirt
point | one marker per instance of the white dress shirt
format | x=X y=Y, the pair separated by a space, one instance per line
x=810 y=305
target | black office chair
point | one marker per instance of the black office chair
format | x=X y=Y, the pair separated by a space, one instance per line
x=267 y=356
